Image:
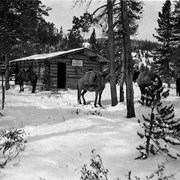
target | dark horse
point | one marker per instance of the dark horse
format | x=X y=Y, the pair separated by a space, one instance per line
x=22 y=76
x=146 y=79
x=92 y=81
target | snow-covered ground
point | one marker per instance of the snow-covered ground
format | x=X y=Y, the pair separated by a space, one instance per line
x=61 y=135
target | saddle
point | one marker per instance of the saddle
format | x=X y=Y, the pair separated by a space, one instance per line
x=91 y=79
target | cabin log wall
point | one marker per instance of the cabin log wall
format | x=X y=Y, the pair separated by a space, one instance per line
x=73 y=73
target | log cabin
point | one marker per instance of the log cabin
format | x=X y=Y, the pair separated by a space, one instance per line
x=61 y=70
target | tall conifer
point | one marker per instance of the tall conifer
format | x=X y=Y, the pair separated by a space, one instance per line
x=163 y=62
x=176 y=23
x=93 y=42
x=176 y=35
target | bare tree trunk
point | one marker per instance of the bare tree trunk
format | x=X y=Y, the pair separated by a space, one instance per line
x=7 y=86
x=114 y=100
x=3 y=93
x=121 y=83
x=128 y=61
x=6 y=47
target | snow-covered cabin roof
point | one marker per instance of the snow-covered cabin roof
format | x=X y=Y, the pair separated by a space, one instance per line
x=87 y=51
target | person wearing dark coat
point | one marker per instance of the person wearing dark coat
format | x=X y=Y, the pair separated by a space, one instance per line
x=178 y=86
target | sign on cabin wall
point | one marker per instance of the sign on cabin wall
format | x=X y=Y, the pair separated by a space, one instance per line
x=76 y=62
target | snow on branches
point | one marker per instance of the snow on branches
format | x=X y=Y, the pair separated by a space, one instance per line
x=161 y=130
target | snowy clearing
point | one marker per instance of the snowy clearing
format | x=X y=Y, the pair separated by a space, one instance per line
x=61 y=135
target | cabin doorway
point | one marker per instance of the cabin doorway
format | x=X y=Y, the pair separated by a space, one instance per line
x=61 y=76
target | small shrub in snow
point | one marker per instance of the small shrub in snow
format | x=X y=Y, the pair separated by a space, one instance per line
x=157 y=175
x=160 y=129
x=97 y=171
x=96 y=113
x=11 y=143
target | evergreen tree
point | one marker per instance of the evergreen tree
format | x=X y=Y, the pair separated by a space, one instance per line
x=93 y=42
x=144 y=45
x=176 y=35
x=164 y=31
x=160 y=129
x=62 y=41
x=75 y=39
x=176 y=23
x=48 y=37
x=83 y=23
x=18 y=23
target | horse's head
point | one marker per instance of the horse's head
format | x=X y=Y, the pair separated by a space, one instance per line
x=156 y=81
x=106 y=74
x=14 y=70
x=30 y=68
x=135 y=75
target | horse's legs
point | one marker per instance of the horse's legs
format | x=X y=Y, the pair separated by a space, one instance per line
x=147 y=94
x=99 y=102
x=34 y=86
x=178 y=91
x=33 y=89
x=95 y=101
x=21 y=87
x=79 y=94
x=151 y=96
x=143 y=92
x=82 y=94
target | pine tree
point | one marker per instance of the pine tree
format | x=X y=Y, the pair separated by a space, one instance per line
x=165 y=36
x=75 y=39
x=176 y=35
x=176 y=23
x=161 y=129
x=18 y=23
x=93 y=42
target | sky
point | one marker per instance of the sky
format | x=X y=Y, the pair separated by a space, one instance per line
x=62 y=14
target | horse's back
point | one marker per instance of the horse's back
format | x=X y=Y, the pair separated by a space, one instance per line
x=144 y=78
x=91 y=81
x=147 y=77
x=33 y=76
x=91 y=78
x=26 y=76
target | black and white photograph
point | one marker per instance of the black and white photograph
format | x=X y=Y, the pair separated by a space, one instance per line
x=89 y=89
